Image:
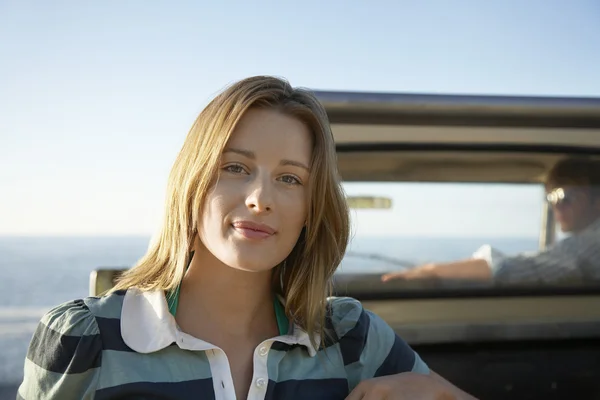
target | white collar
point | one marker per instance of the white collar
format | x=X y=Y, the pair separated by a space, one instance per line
x=147 y=326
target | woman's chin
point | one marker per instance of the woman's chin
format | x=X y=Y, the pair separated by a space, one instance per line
x=255 y=267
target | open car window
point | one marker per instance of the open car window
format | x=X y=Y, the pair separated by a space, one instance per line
x=410 y=210
x=440 y=222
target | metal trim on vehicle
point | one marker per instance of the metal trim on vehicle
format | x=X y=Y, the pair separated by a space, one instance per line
x=491 y=319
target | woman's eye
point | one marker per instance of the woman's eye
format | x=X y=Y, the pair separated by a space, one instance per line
x=235 y=168
x=290 y=179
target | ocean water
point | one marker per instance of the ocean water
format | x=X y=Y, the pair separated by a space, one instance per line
x=38 y=273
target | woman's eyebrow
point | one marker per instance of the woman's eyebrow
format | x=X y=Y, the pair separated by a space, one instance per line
x=251 y=155
x=246 y=153
x=294 y=164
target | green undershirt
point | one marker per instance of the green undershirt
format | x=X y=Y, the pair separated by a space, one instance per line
x=282 y=320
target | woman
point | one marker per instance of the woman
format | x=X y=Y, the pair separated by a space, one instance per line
x=230 y=300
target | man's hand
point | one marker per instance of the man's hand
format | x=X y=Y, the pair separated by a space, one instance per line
x=406 y=386
x=420 y=272
x=471 y=269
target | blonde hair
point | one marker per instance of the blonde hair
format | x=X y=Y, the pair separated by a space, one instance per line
x=304 y=278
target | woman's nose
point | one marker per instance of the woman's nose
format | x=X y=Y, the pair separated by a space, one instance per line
x=260 y=198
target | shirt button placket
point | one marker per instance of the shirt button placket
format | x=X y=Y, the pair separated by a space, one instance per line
x=261 y=382
x=263 y=351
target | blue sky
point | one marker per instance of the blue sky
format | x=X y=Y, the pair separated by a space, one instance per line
x=97 y=97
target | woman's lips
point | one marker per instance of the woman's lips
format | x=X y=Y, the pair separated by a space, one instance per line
x=253 y=230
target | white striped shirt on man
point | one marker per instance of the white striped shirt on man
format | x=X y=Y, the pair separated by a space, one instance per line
x=575 y=259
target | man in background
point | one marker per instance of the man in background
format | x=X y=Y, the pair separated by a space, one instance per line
x=573 y=190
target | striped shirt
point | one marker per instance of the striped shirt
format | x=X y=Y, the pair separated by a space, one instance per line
x=128 y=345
x=576 y=259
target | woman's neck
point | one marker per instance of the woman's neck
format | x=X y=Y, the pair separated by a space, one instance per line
x=216 y=300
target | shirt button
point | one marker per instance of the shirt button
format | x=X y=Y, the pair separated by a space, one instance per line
x=263 y=351
x=261 y=382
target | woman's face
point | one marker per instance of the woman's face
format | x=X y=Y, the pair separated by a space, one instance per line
x=256 y=210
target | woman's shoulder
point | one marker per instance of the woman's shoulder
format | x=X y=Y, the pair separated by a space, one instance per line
x=65 y=325
x=347 y=315
x=65 y=352
x=365 y=338
x=82 y=314
x=71 y=318
x=79 y=318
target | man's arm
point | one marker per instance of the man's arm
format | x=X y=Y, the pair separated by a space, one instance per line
x=559 y=263
x=474 y=268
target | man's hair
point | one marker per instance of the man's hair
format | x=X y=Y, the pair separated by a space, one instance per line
x=575 y=171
